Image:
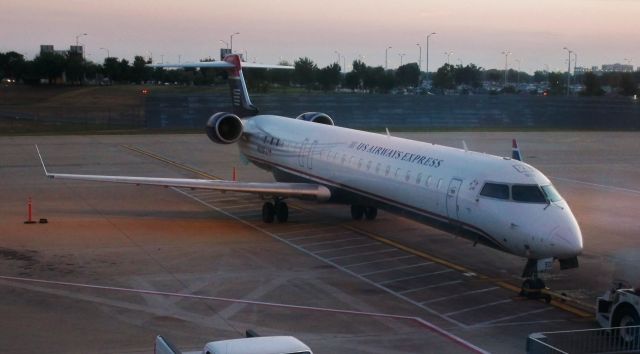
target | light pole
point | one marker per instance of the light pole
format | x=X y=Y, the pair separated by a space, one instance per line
x=161 y=58
x=575 y=62
x=401 y=56
x=78 y=42
x=106 y=49
x=428 y=36
x=569 y=51
x=419 y=57
x=386 y=57
x=506 y=65
x=231 y=41
x=78 y=38
x=179 y=57
x=518 y=74
x=337 y=53
x=448 y=54
x=226 y=44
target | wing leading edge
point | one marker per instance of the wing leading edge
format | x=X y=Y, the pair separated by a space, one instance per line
x=275 y=189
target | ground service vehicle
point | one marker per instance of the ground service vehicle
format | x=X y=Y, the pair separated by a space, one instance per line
x=619 y=309
x=250 y=345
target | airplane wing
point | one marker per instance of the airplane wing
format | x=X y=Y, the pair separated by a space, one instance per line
x=274 y=189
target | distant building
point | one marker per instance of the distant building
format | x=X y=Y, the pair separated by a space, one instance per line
x=581 y=70
x=224 y=52
x=617 y=67
x=48 y=48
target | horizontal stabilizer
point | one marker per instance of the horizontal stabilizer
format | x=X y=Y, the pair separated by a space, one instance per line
x=219 y=65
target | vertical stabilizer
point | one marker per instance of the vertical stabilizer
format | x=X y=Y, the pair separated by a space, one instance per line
x=515 y=150
x=242 y=106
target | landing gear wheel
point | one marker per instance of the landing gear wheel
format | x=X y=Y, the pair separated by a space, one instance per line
x=268 y=212
x=630 y=336
x=532 y=289
x=282 y=212
x=370 y=213
x=357 y=211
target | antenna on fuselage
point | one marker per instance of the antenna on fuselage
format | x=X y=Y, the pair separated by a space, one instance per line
x=387 y=130
x=464 y=145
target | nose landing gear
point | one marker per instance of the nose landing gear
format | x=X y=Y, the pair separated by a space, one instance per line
x=533 y=287
x=276 y=210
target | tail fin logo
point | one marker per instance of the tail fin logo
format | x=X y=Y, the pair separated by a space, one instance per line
x=242 y=106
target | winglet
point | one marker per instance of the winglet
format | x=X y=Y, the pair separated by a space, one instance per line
x=515 y=150
x=42 y=162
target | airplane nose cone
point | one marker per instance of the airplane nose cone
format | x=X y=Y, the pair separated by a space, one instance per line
x=567 y=239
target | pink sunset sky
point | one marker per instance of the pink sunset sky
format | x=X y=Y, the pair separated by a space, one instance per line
x=600 y=31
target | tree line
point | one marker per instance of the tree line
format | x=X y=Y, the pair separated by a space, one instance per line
x=51 y=67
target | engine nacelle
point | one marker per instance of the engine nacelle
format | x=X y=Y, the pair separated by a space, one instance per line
x=224 y=128
x=316 y=117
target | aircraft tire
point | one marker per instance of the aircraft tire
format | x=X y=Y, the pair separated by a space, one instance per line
x=357 y=212
x=370 y=213
x=282 y=212
x=625 y=317
x=268 y=212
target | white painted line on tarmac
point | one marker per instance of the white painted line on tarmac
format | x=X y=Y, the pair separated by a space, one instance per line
x=348 y=247
x=416 y=276
x=334 y=241
x=431 y=286
x=521 y=323
x=483 y=324
x=306 y=229
x=241 y=206
x=419 y=320
x=604 y=186
x=380 y=260
x=462 y=294
x=396 y=268
x=363 y=254
x=478 y=307
x=318 y=235
x=337 y=266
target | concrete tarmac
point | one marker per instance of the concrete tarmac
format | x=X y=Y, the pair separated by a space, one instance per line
x=213 y=244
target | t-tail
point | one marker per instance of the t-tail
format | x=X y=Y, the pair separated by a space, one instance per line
x=240 y=101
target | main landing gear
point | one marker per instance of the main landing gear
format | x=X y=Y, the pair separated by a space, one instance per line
x=358 y=211
x=533 y=287
x=276 y=210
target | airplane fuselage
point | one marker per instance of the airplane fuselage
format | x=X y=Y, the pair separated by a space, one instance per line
x=440 y=186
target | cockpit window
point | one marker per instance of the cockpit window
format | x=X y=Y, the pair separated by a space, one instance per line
x=495 y=190
x=551 y=193
x=527 y=193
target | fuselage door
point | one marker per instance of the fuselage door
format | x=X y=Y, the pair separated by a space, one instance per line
x=452 y=198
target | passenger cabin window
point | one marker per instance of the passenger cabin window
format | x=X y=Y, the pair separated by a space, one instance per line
x=419 y=178
x=527 y=193
x=495 y=190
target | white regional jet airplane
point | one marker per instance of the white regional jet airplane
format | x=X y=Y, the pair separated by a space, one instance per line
x=497 y=201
